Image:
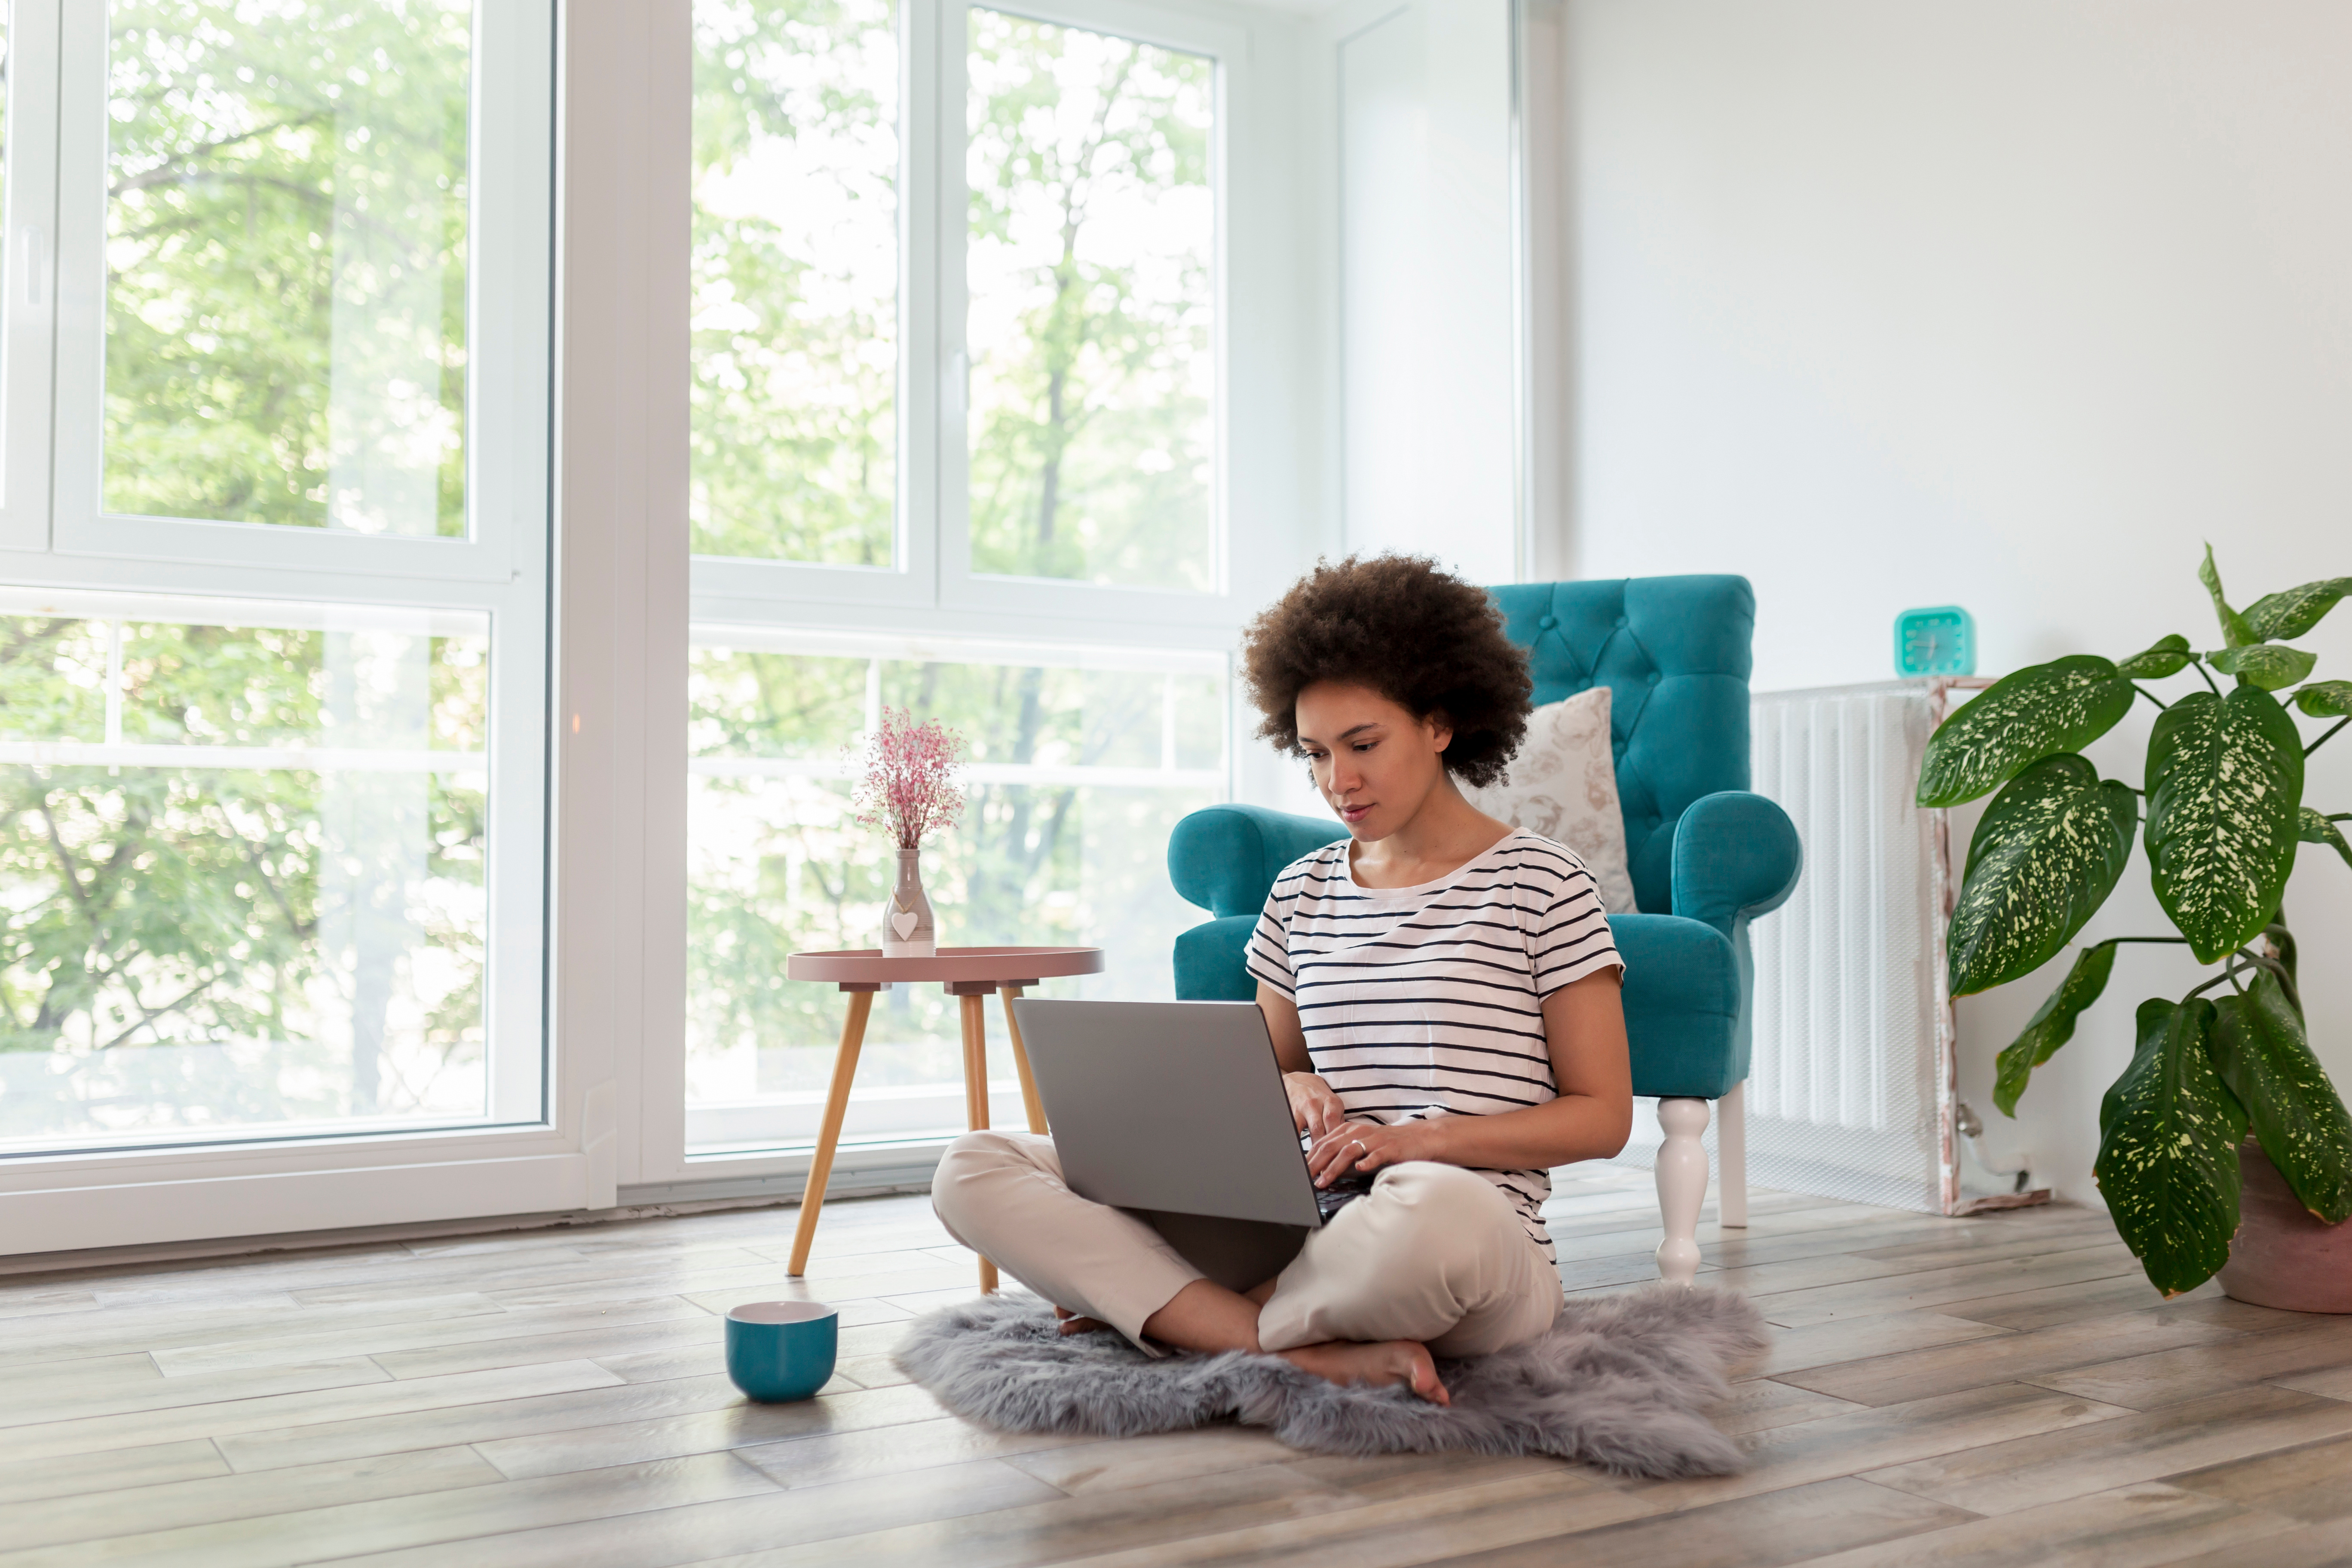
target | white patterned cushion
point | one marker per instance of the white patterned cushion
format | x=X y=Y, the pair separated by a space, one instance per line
x=1563 y=785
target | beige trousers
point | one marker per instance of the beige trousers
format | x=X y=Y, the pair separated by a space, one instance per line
x=1433 y=1252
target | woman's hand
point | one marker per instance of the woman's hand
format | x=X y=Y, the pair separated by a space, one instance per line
x=1367 y=1146
x=1313 y=1107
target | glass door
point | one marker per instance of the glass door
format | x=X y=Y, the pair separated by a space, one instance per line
x=273 y=696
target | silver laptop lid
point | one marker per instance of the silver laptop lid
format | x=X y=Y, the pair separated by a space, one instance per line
x=1172 y=1106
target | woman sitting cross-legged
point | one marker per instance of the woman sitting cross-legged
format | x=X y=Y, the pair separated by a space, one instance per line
x=1442 y=991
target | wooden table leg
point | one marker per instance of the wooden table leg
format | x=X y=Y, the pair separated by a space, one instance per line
x=837 y=1104
x=974 y=1009
x=1029 y=1096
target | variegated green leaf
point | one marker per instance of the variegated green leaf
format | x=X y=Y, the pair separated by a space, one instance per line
x=2282 y=617
x=2170 y=655
x=2259 y=1049
x=2224 y=803
x=2265 y=664
x=2019 y=720
x=2169 y=1135
x=2326 y=699
x=2311 y=828
x=2234 y=630
x=2053 y=1025
x=2045 y=855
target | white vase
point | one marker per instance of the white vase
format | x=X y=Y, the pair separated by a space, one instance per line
x=907 y=929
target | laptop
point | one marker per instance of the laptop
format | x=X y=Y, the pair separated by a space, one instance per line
x=1175 y=1111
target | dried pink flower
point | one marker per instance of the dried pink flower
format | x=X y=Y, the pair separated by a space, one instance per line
x=910 y=789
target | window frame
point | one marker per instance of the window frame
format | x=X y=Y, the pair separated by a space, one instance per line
x=946 y=598
x=530 y=1152
x=505 y=197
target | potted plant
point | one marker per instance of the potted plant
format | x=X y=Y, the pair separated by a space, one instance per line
x=2220 y=810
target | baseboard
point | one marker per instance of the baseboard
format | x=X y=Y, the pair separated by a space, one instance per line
x=655 y=1200
x=871 y=1181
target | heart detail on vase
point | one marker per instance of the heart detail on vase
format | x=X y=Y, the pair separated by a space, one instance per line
x=904 y=924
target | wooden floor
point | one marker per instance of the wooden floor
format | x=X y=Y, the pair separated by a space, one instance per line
x=2005 y=1390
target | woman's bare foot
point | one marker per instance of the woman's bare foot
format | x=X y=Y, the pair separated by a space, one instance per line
x=1071 y=1324
x=1391 y=1360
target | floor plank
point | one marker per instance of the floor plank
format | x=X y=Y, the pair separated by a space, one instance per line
x=375 y=1339
x=424 y=1523
x=2033 y=1357
x=1759 y=1531
x=2307 y=1483
x=160 y=1394
x=31 y=1479
x=2312 y=1546
x=2167 y=1376
x=714 y=1418
x=827 y=1514
x=277 y=1415
x=2029 y=1471
x=173 y=1505
x=1940 y=1288
x=1872 y=1437
x=1377 y=1533
x=2142 y=1525
x=1858 y=1339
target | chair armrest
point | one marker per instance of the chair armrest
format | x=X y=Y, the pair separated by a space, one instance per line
x=1212 y=961
x=1225 y=858
x=1682 y=1000
x=1737 y=856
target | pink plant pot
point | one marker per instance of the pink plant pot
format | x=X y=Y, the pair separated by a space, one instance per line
x=2283 y=1256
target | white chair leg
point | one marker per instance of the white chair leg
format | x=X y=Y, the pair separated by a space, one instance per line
x=1682 y=1188
x=1731 y=1158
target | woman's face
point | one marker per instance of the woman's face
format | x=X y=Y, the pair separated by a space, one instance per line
x=1374 y=761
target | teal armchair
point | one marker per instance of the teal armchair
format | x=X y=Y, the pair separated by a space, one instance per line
x=1707 y=856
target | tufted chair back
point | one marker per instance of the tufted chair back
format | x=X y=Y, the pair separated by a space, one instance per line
x=1674 y=653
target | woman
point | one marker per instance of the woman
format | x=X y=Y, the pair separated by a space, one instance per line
x=1442 y=994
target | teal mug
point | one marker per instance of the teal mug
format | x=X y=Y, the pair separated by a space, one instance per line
x=782 y=1350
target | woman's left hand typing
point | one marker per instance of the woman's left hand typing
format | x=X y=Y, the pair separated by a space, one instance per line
x=1368 y=1146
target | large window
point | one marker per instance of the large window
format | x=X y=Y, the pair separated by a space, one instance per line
x=903 y=359
x=273 y=667
x=956 y=349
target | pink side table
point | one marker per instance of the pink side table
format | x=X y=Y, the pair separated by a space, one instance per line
x=968 y=974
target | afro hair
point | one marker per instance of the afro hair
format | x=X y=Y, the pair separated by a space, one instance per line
x=1423 y=638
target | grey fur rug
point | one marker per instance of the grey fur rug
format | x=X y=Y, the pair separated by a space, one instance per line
x=1621 y=1382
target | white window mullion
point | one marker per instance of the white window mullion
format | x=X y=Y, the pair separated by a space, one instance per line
x=950 y=208
x=28 y=273
x=929 y=404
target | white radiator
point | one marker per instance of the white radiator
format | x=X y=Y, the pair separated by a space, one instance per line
x=1842 y=1091
x=1850 y=1089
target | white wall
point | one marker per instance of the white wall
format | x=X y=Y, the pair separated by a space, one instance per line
x=2011 y=303
x=1406 y=107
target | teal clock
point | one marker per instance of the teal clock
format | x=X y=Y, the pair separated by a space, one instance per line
x=1940 y=641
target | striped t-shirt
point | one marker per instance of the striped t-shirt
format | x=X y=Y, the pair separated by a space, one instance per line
x=1428 y=1000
